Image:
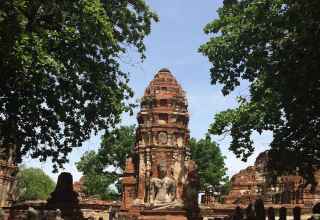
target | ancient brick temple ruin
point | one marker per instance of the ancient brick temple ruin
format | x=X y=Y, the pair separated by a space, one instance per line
x=8 y=170
x=252 y=183
x=160 y=181
x=65 y=202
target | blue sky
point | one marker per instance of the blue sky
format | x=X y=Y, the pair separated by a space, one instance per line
x=174 y=44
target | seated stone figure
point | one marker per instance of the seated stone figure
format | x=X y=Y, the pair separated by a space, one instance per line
x=162 y=188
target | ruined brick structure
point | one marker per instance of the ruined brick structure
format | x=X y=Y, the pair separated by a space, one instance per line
x=252 y=183
x=65 y=203
x=160 y=181
x=248 y=184
x=8 y=169
x=90 y=209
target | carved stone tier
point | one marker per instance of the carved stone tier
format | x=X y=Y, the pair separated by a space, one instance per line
x=8 y=171
x=163 y=215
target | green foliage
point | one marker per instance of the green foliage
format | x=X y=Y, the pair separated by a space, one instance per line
x=210 y=161
x=60 y=71
x=96 y=182
x=274 y=46
x=103 y=169
x=226 y=187
x=116 y=146
x=34 y=184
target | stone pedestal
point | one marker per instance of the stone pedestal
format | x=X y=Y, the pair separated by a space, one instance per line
x=163 y=215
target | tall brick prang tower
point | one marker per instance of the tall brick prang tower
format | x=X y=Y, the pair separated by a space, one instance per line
x=160 y=179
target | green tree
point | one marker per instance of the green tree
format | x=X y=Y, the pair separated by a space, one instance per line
x=60 y=70
x=34 y=184
x=274 y=46
x=103 y=169
x=97 y=182
x=211 y=168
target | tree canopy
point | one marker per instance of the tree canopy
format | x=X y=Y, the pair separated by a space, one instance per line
x=103 y=169
x=97 y=182
x=275 y=47
x=60 y=70
x=33 y=184
x=211 y=167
